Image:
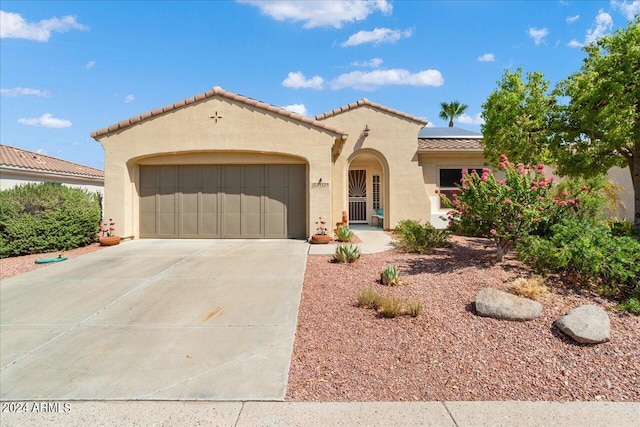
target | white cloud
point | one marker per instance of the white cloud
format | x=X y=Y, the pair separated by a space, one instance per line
x=377 y=36
x=129 y=98
x=604 y=23
x=13 y=25
x=24 y=91
x=372 y=79
x=90 y=64
x=628 y=8
x=572 y=19
x=575 y=43
x=538 y=34
x=372 y=63
x=297 y=80
x=46 y=121
x=487 y=57
x=297 y=108
x=321 y=13
x=471 y=120
x=41 y=151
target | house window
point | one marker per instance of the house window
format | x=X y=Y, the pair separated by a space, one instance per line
x=448 y=178
x=376 y=192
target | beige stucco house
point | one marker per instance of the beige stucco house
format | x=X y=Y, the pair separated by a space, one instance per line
x=222 y=165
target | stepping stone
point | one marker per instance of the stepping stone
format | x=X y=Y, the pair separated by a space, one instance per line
x=586 y=324
x=503 y=305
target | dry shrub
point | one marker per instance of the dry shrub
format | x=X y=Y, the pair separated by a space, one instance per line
x=533 y=287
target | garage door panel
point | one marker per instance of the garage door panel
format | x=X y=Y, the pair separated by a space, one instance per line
x=275 y=201
x=296 y=202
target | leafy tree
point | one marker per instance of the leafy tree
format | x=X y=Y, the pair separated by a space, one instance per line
x=516 y=119
x=599 y=127
x=452 y=110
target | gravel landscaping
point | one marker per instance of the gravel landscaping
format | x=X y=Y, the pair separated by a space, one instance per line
x=344 y=352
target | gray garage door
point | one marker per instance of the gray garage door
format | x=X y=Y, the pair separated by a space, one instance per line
x=223 y=201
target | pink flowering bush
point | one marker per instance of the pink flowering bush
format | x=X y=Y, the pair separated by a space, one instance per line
x=505 y=210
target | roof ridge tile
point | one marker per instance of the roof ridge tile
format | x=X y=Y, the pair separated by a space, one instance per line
x=216 y=91
x=365 y=101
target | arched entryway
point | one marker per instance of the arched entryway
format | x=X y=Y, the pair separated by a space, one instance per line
x=367 y=187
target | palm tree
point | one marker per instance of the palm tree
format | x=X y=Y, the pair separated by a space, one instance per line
x=452 y=110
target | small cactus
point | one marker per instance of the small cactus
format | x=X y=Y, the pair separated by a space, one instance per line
x=347 y=253
x=344 y=234
x=390 y=276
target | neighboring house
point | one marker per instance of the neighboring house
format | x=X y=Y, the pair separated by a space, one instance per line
x=222 y=165
x=18 y=166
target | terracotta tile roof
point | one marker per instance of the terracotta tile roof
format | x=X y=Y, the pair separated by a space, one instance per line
x=449 y=144
x=216 y=91
x=365 y=101
x=28 y=160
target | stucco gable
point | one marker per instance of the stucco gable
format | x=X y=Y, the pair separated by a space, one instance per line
x=364 y=102
x=219 y=92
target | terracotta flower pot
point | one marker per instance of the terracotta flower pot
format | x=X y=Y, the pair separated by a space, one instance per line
x=109 y=240
x=322 y=239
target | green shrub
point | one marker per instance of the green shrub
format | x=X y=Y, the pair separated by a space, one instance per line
x=418 y=238
x=622 y=227
x=632 y=304
x=587 y=254
x=347 y=253
x=390 y=276
x=344 y=234
x=37 y=218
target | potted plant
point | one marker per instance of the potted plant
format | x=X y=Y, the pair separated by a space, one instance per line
x=321 y=235
x=107 y=233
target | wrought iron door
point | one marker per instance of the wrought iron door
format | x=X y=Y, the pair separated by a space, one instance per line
x=357 y=196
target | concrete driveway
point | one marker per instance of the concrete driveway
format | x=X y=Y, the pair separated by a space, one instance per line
x=154 y=319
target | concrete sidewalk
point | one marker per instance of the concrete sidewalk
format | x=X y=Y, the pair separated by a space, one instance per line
x=373 y=240
x=245 y=414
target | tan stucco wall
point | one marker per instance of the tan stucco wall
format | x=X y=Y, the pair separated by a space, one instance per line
x=242 y=135
x=622 y=177
x=393 y=141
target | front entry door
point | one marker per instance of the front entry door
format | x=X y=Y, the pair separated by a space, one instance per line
x=358 y=196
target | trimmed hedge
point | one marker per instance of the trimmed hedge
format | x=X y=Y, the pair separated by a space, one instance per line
x=38 y=218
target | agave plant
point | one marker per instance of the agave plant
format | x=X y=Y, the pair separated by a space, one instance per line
x=344 y=234
x=390 y=276
x=347 y=253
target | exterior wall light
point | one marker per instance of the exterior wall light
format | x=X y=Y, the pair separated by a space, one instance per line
x=366 y=130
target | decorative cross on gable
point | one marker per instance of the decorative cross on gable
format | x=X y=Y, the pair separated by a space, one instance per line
x=216 y=117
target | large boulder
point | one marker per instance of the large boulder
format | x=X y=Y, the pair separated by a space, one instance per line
x=502 y=305
x=586 y=324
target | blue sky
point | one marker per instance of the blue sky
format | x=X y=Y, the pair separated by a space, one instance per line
x=69 y=68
